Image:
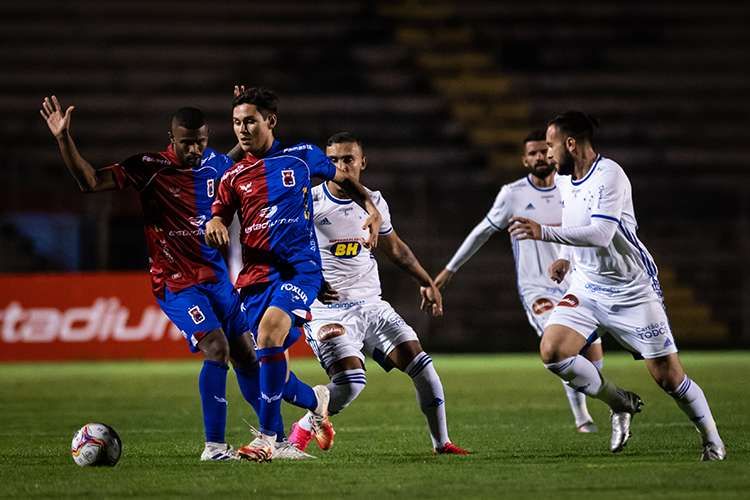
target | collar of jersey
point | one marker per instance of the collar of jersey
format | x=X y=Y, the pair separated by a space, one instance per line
x=338 y=201
x=591 y=171
x=528 y=178
x=275 y=148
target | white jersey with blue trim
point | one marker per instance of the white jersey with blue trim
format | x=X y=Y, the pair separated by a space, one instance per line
x=624 y=272
x=348 y=266
x=523 y=199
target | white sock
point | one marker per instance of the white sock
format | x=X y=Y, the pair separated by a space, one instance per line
x=577 y=400
x=430 y=397
x=692 y=401
x=345 y=386
x=583 y=376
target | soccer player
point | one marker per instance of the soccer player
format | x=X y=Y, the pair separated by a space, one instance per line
x=355 y=317
x=613 y=285
x=189 y=278
x=281 y=275
x=534 y=195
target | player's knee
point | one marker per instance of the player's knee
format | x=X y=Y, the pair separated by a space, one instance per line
x=215 y=347
x=549 y=352
x=273 y=328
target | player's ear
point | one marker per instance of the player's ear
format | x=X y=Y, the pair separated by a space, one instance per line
x=570 y=144
x=272 y=120
x=364 y=162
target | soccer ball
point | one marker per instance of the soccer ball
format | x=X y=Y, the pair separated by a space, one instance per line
x=96 y=444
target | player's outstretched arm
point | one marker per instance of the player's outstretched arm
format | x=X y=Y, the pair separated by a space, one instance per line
x=598 y=233
x=88 y=178
x=217 y=234
x=400 y=254
x=361 y=197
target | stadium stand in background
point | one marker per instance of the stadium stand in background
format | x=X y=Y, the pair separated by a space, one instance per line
x=441 y=92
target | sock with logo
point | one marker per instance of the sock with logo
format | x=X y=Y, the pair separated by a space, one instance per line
x=582 y=375
x=299 y=393
x=272 y=378
x=248 y=378
x=691 y=400
x=430 y=397
x=212 y=384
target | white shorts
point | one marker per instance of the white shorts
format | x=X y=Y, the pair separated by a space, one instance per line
x=643 y=329
x=539 y=309
x=374 y=327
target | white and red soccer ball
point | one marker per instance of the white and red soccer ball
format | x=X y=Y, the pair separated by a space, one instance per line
x=96 y=444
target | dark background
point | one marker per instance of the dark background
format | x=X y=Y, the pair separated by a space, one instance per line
x=442 y=94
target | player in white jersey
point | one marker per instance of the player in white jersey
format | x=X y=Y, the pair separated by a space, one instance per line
x=613 y=285
x=352 y=317
x=536 y=196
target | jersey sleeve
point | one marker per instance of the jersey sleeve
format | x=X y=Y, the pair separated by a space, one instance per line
x=501 y=211
x=133 y=171
x=385 y=213
x=611 y=194
x=226 y=203
x=319 y=164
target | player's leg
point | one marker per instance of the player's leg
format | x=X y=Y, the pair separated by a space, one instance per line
x=191 y=311
x=583 y=420
x=667 y=371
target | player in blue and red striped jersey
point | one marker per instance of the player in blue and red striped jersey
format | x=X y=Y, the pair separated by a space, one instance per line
x=188 y=277
x=281 y=274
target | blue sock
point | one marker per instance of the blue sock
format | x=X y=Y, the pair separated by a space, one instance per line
x=272 y=377
x=212 y=383
x=248 y=379
x=299 y=393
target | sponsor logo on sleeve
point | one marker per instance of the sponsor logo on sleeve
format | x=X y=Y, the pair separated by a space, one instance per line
x=541 y=306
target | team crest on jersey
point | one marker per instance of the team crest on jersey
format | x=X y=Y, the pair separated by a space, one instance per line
x=569 y=300
x=346 y=249
x=541 y=306
x=210 y=188
x=196 y=315
x=287 y=178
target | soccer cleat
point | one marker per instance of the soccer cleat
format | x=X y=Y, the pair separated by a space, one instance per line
x=630 y=404
x=299 y=437
x=260 y=449
x=218 y=452
x=713 y=451
x=286 y=450
x=451 y=449
x=587 y=428
x=323 y=396
x=323 y=431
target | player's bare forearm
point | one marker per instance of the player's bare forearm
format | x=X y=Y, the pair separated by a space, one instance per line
x=88 y=178
x=400 y=254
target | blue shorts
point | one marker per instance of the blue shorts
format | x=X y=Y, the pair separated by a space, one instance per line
x=202 y=308
x=293 y=295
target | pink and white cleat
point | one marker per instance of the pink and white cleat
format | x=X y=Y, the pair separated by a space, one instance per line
x=323 y=431
x=451 y=449
x=299 y=437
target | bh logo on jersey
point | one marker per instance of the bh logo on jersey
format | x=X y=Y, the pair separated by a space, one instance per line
x=287 y=178
x=346 y=249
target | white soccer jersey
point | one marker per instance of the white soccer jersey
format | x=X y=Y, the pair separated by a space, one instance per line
x=348 y=265
x=523 y=199
x=624 y=272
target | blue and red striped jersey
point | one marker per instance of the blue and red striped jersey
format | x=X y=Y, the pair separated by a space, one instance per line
x=176 y=203
x=273 y=197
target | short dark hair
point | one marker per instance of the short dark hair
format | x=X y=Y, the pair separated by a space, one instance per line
x=342 y=138
x=188 y=117
x=535 y=135
x=264 y=99
x=576 y=124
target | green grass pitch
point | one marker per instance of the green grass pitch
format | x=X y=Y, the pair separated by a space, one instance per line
x=506 y=408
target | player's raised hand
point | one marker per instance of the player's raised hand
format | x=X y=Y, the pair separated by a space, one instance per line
x=327 y=294
x=432 y=300
x=373 y=223
x=57 y=121
x=238 y=89
x=522 y=228
x=217 y=234
x=443 y=279
x=558 y=269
